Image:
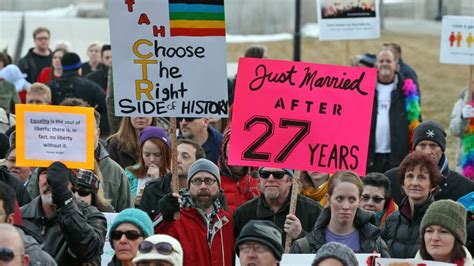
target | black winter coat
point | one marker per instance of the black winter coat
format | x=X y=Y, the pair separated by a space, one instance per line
x=399 y=132
x=22 y=195
x=307 y=211
x=402 y=232
x=119 y=155
x=70 y=85
x=75 y=235
x=370 y=240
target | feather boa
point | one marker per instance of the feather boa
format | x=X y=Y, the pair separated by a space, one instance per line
x=412 y=100
x=467 y=163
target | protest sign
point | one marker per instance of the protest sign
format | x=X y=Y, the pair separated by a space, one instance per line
x=46 y=133
x=307 y=259
x=409 y=262
x=169 y=58
x=109 y=252
x=302 y=116
x=348 y=19
x=457 y=40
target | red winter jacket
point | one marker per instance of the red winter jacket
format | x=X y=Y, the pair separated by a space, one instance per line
x=238 y=192
x=191 y=231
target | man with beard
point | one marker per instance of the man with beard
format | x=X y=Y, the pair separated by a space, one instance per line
x=274 y=205
x=70 y=230
x=203 y=227
x=199 y=130
x=396 y=112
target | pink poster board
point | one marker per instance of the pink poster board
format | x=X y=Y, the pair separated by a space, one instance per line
x=301 y=116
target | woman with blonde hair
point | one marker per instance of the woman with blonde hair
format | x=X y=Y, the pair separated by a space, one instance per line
x=443 y=234
x=124 y=146
x=343 y=221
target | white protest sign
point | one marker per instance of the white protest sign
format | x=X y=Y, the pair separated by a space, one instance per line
x=457 y=40
x=348 y=19
x=169 y=58
x=45 y=134
x=109 y=252
x=409 y=262
x=307 y=259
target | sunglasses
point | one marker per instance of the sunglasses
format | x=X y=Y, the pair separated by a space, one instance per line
x=130 y=235
x=187 y=119
x=376 y=200
x=83 y=192
x=6 y=254
x=164 y=248
x=276 y=175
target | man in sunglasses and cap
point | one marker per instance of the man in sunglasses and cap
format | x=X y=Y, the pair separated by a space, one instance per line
x=203 y=228
x=71 y=231
x=274 y=205
x=12 y=250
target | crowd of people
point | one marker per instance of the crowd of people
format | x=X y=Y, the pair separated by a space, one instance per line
x=410 y=204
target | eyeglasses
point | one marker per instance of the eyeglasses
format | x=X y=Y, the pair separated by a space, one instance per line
x=130 y=235
x=276 y=175
x=187 y=119
x=209 y=181
x=164 y=248
x=42 y=38
x=82 y=191
x=258 y=248
x=376 y=200
x=6 y=254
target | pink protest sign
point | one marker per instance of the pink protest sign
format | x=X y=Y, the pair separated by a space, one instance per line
x=301 y=116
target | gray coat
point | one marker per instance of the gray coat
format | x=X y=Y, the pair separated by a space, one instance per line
x=458 y=125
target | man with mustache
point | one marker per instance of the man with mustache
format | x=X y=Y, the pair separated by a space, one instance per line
x=204 y=228
x=70 y=230
x=274 y=205
x=389 y=139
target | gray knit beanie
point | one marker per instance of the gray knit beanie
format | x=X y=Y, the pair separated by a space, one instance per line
x=204 y=165
x=336 y=251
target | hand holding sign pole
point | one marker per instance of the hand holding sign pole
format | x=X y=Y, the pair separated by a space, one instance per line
x=295 y=190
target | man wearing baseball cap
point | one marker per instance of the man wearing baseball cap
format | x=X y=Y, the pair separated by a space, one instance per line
x=274 y=205
x=430 y=138
x=204 y=228
x=259 y=243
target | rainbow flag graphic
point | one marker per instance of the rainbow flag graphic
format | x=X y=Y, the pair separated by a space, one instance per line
x=198 y=18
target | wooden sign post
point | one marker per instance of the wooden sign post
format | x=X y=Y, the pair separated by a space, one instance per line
x=295 y=190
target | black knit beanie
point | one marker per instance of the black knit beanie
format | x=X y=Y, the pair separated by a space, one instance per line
x=71 y=62
x=432 y=131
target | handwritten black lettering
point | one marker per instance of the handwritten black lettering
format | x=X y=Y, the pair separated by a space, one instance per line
x=262 y=76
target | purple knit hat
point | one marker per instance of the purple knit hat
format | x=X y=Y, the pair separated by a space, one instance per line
x=155 y=132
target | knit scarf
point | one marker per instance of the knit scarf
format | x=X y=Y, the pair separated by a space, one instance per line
x=317 y=194
x=412 y=101
x=467 y=162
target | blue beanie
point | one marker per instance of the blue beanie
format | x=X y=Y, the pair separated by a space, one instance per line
x=136 y=217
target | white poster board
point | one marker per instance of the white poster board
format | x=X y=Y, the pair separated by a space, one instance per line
x=348 y=19
x=409 y=262
x=457 y=40
x=307 y=259
x=109 y=252
x=169 y=59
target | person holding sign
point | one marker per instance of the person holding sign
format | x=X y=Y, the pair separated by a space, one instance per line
x=71 y=231
x=204 y=228
x=443 y=234
x=395 y=115
x=419 y=176
x=155 y=160
x=274 y=205
x=344 y=221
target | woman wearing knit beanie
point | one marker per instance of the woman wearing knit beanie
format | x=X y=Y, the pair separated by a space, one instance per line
x=154 y=161
x=129 y=229
x=443 y=234
x=334 y=253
